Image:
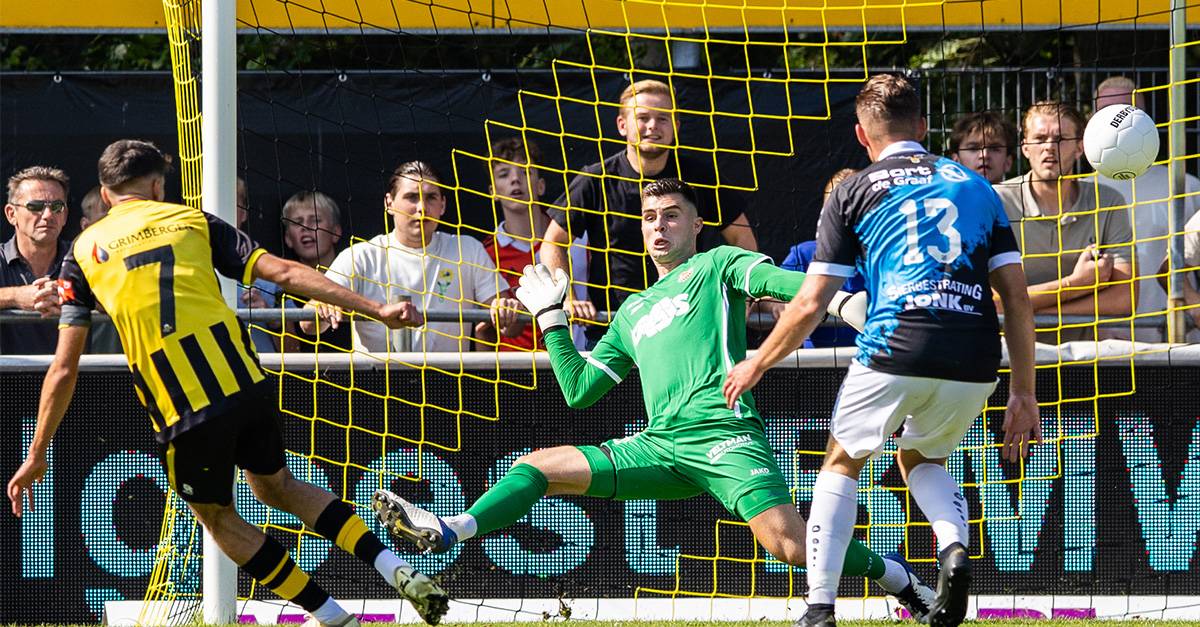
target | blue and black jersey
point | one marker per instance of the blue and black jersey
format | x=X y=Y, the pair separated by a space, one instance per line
x=925 y=232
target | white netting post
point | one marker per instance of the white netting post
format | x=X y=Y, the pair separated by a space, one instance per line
x=1177 y=134
x=219 y=196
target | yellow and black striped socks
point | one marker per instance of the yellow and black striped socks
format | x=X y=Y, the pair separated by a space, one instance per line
x=273 y=567
x=339 y=524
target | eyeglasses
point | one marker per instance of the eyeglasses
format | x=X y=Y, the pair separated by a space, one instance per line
x=38 y=206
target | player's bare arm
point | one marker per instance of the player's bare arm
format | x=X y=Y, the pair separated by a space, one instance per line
x=296 y=277
x=554 y=255
x=1022 y=420
x=799 y=318
x=57 y=390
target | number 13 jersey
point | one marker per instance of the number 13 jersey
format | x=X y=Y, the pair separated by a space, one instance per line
x=925 y=232
x=150 y=264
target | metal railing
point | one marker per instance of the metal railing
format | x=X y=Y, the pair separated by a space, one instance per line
x=296 y=314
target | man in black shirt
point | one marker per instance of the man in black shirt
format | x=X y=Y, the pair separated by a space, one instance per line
x=37 y=209
x=604 y=202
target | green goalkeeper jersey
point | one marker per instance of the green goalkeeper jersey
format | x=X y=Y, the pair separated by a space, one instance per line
x=684 y=333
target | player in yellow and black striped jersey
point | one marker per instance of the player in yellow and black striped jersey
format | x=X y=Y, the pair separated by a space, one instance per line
x=189 y=359
x=151 y=264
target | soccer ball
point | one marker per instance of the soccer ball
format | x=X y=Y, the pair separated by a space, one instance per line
x=1120 y=141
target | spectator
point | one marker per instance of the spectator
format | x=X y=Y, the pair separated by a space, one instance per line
x=32 y=258
x=517 y=186
x=1191 y=273
x=438 y=271
x=798 y=259
x=604 y=200
x=103 y=338
x=312 y=226
x=1075 y=239
x=1148 y=197
x=94 y=208
x=985 y=141
x=262 y=294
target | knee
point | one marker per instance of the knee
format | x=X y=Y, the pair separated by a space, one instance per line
x=532 y=459
x=215 y=518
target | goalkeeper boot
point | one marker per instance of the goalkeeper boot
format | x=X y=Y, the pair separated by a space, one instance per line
x=917 y=596
x=954 y=587
x=349 y=621
x=426 y=596
x=818 y=615
x=412 y=523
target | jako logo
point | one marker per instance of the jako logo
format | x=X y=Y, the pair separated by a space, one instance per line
x=660 y=316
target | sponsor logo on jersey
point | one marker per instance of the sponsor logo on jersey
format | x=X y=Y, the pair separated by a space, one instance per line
x=732 y=444
x=937 y=300
x=660 y=316
x=65 y=291
x=945 y=294
x=951 y=172
x=759 y=471
x=915 y=175
x=148 y=233
x=687 y=274
x=974 y=290
x=99 y=255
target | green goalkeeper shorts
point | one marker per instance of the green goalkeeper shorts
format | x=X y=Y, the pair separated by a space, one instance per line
x=736 y=468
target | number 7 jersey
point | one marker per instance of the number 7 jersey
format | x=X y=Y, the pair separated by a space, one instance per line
x=925 y=232
x=150 y=264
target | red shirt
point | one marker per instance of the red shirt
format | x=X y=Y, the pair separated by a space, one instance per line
x=511 y=256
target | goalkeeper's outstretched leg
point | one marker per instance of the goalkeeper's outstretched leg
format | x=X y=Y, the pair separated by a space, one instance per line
x=590 y=471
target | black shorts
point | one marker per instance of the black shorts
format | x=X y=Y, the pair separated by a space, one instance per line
x=200 y=462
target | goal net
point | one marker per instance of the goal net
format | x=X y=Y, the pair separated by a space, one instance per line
x=333 y=96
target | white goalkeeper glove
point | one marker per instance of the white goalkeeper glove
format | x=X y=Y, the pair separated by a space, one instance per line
x=852 y=308
x=543 y=294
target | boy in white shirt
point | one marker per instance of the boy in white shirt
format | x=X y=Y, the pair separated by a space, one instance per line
x=438 y=271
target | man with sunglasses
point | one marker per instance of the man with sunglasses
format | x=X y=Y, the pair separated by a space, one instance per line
x=31 y=259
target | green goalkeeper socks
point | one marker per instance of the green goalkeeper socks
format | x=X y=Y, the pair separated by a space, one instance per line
x=862 y=562
x=510 y=499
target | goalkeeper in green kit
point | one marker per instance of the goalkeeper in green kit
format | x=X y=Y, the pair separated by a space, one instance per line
x=683 y=333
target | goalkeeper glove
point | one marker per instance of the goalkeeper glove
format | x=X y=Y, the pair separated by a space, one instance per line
x=852 y=308
x=543 y=294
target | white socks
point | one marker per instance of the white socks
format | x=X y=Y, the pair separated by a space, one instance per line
x=895 y=578
x=830 y=529
x=463 y=526
x=942 y=503
x=387 y=562
x=330 y=613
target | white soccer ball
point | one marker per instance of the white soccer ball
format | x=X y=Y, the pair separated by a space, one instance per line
x=1121 y=141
